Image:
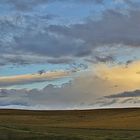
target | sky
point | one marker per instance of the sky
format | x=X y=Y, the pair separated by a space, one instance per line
x=69 y=54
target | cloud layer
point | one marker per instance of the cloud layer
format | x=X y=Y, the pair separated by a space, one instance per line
x=34 y=33
x=96 y=41
x=100 y=82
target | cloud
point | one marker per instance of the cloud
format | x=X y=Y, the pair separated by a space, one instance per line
x=122 y=78
x=135 y=93
x=69 y=95
x=49 y=45
x=73 y=95
x=113 y=28
x=6 y=81
x=104 y=59
x=99 y=82
x=60 y=61
x=32 y=34
x=81 y=40
x=27 y=5
x=124 y=102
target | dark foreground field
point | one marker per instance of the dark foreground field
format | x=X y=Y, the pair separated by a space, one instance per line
x=104 y=124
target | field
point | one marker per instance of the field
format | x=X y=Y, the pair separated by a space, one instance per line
x=102 y=124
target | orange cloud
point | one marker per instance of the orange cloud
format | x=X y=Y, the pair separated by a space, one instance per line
x=120 y=76
x=23 y=79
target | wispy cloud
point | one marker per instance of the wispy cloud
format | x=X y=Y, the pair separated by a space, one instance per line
x=32 y=78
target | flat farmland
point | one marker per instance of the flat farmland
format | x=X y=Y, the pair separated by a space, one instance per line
x=99 y=124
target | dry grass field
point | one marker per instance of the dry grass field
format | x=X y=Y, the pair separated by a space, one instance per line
x=101 y=124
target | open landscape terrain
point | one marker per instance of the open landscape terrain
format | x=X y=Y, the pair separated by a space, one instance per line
x=69 y=69
x=100 y=124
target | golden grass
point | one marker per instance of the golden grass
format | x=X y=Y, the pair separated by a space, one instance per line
x=76 y=122
x=102 y=118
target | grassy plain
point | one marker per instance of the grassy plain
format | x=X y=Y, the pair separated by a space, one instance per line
x=100 y=124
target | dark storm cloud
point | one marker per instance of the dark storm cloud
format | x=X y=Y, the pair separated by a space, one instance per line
x=11 y=97
x=135 y=93
x=104 y=59
x=49 y=45
x=31 y=34
x=60 y=61
x=113 y=28
x=128 y=62
x=81 y=39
